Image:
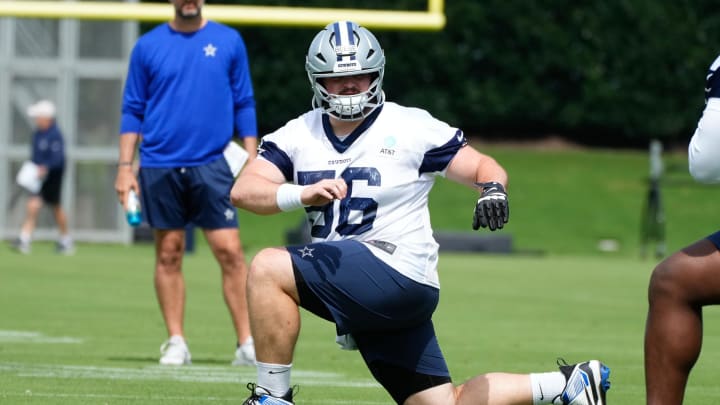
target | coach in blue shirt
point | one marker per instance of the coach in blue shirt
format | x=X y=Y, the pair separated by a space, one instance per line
x=188 y=92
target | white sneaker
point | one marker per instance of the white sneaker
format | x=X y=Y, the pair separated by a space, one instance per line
x=245 y=354
x=174 y=352
x=21 y=247
x=65 y=249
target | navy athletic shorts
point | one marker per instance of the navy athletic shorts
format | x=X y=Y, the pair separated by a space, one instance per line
x=172 y=198
x=388 y=314
x=52 y=186
x=715 y=238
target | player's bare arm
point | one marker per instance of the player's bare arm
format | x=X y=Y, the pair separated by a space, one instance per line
x=469 y=167
x=258 y=186
x=481 y=171
x=125 y=179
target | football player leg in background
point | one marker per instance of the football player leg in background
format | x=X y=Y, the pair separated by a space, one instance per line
x=686 y=281
x=679 y=288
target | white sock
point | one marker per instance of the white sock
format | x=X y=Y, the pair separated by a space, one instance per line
x=24 y=237
x=177 y=339
x=66 y=240
x=546 y=386
x=248 y=341
x=274 y=378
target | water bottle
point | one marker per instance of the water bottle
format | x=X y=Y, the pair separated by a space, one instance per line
x=133 y=213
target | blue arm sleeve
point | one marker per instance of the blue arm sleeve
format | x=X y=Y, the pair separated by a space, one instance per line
x=243 y=95
x=134 y=95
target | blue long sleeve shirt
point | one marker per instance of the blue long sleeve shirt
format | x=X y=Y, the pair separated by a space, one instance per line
x=48 y=148
x=188 y=94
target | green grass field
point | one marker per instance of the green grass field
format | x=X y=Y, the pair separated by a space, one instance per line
x=86 y=329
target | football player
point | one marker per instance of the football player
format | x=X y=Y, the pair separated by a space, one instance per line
x=362 y=168
x=687 y=280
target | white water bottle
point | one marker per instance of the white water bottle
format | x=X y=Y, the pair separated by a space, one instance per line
x=133 y=213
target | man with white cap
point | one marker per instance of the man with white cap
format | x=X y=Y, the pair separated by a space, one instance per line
x=48 y=156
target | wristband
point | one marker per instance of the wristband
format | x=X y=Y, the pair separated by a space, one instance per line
x=124 y=164
x=489 y=185
x=288 y=197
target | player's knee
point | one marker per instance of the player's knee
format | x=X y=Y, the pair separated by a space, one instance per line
x=169 y=259
x=230 y=259
x=267 y=265
x=666 y=280
x=34 y=204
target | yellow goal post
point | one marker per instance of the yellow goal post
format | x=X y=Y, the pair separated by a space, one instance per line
x=432 y=19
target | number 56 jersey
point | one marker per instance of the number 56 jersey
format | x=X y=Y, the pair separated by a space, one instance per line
x=389 y=164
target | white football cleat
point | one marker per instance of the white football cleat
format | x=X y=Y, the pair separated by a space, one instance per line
x=585 y=383
x=174 y=352
x=261 y=396
x=245 y=354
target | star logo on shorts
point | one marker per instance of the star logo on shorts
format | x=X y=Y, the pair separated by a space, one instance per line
x=306 y=251
x=210 y=50
x=229 y=214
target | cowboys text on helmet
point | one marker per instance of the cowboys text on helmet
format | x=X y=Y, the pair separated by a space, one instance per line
x=344 y=48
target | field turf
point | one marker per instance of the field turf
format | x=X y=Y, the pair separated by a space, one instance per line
x=86 y=329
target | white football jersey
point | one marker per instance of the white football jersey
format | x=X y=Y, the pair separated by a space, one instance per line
x=712 y=80
x=703 y=160
x=389 y=164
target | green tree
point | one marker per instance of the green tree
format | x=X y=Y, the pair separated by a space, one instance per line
x=612 y=72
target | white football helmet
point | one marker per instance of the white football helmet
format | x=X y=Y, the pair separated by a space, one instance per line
x=344 y=48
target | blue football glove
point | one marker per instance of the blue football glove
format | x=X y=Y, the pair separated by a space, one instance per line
x=491 y=210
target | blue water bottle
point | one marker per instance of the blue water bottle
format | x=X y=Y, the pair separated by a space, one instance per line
x=133 y=213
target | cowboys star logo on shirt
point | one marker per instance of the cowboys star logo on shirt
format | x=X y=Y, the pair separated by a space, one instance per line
x=210 y=50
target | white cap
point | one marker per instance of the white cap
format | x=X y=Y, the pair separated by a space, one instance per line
x=43 y=108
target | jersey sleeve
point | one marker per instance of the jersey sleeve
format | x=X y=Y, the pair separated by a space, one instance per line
x=135 y=93
x=272 y=152
x=441 y=144
x=712 y=81
x=243 y=95
x=437 y=159
x=279 y=147
x=703 y=160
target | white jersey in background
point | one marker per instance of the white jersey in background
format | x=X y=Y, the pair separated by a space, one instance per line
x=389 y=171
x=704 y=148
